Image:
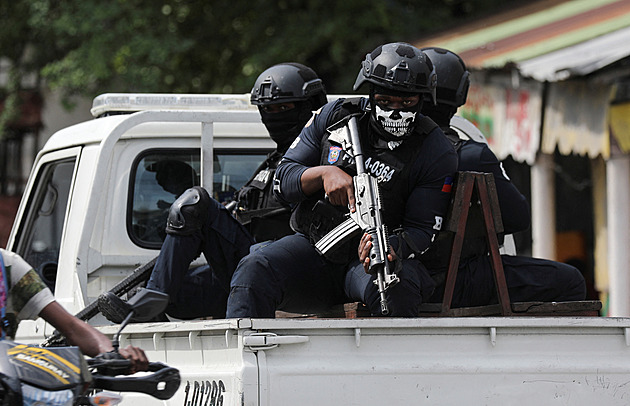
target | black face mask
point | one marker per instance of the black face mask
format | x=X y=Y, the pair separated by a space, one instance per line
x=284 y=127
x=441 y=114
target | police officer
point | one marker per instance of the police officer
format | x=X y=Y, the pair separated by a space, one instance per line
x=528 y=279
x=404 y=150
x=286 y=95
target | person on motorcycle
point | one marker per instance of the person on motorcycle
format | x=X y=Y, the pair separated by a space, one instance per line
x=24 y=296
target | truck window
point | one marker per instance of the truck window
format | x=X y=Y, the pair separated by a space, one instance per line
x=159 y=176
x=41 y=241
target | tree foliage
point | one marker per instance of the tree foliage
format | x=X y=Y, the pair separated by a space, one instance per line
x=87 y=47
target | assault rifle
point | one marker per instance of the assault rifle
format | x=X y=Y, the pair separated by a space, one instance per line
x=366 y=218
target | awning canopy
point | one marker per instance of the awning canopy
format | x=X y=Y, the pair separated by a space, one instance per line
x=580 y=59
x=553 y=41
x=547 y=40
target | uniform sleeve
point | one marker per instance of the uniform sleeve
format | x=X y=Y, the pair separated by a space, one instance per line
x=429 y=198
x=305 y=152
x=514 y=207
x=28 y=294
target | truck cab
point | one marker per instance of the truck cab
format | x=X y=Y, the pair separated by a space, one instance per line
x=96 y=202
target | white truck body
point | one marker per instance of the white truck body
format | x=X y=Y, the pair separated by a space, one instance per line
x=92 y=243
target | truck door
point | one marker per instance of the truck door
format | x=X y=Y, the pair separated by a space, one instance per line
x=40 y=222
x=42 y=215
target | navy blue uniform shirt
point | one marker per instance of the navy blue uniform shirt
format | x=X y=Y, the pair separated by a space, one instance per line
x=477 y=157
x=430 y=175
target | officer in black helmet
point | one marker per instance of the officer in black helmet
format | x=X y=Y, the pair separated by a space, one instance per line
x=528 y=279
x=413 y=163
x=286 y=94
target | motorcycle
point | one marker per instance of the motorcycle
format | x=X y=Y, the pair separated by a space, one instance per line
x=32 y=375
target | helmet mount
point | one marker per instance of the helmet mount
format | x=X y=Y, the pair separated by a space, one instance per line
x=286 y=83
x=399 y=67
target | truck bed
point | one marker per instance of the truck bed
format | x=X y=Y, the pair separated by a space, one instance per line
x=437 y=361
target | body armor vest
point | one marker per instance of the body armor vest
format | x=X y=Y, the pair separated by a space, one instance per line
x=258 y=209
x=315 y=217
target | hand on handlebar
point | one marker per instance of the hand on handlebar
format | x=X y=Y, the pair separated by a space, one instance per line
x=137 y=357
x=126 y=361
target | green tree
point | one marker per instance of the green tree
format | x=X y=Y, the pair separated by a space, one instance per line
x=87 y=47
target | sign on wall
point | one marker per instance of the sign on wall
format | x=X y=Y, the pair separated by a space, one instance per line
x=510 y=118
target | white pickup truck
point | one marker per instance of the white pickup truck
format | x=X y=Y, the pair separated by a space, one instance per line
x=94 y=209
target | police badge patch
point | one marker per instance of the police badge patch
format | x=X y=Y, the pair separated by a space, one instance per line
x=333 y=154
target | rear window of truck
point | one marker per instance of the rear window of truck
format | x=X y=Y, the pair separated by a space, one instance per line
x=159 y=176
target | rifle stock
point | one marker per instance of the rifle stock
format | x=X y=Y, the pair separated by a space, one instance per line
x=139 y=275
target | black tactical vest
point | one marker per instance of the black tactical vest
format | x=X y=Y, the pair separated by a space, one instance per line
x=316 y=217
x=258 y=209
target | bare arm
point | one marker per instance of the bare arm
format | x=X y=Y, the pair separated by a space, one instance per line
x=91 y=341
x=336 y=183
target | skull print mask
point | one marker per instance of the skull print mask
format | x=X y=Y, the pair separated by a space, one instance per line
x=398 y=123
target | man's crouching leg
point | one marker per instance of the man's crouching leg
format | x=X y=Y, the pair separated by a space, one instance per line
x=287 y=274
x=253 y=291
x=189 y=212
x=403 y=299
x=182 y=245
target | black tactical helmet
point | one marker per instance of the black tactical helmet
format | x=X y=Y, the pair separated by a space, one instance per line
x=453 y=79
x=286 y=83
x=400 y=67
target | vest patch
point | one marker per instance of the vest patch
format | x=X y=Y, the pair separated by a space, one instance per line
x=263 y=176
x=333 y=154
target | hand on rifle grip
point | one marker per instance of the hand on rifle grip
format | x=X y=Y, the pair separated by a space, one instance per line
x=339 y=187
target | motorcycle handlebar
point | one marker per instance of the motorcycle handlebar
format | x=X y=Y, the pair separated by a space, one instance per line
x=162 y=383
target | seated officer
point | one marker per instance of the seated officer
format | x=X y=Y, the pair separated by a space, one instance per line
x=528 y=279
x=286 y=96
x=412 y=161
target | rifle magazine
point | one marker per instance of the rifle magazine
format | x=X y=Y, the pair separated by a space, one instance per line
x=337 y=235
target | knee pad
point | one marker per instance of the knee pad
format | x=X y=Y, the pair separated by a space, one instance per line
x=189 y=212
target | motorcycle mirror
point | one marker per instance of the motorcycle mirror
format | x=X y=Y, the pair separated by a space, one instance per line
x=146 y=304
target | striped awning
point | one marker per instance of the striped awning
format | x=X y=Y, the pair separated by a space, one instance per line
x=548 y=40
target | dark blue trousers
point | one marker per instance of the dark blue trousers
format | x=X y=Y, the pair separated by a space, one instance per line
x=202 y=291
x=290 y=275
x=528 y=279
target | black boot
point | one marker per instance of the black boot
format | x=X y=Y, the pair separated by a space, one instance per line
x=113 y=308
